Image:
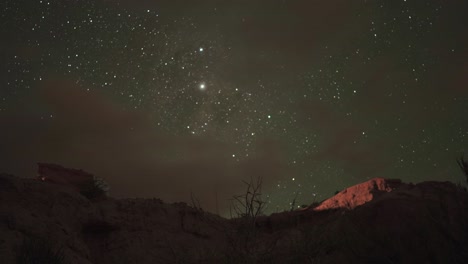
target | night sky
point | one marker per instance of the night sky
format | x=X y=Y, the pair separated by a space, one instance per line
x=167 y=98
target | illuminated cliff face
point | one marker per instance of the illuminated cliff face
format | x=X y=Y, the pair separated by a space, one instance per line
x=360 y=194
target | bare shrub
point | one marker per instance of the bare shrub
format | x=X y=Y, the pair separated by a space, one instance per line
x=463 y=166
x=97 y=188
x=245 y=244
x=250 y=204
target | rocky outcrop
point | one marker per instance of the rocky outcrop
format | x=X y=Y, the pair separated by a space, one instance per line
x=78 y=180
x=359 y=194
x=379 y=221
x=57 y=174
x=105 y=231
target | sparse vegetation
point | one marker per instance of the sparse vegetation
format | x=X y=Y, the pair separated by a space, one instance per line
x=195 y=203
x=250 y=204
x=293 y=203
x=38 y=251
x=463 y=166
x=244 y=242
x=372 y=233
x=95 y=189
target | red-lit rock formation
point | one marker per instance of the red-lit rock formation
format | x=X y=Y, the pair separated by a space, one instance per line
x=359 y=194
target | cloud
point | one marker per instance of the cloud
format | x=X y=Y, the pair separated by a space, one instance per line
x=91 y=132
x=337 y=136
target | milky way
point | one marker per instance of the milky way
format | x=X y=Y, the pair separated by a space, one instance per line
x=324 y=93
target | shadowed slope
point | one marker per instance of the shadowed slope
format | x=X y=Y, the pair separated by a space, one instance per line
x=379 y=221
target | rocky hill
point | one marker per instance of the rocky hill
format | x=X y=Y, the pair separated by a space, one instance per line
x=378 y=221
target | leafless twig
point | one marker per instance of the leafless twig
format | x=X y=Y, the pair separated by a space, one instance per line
x=463 y=166
x=249 y=204
x=195 y=202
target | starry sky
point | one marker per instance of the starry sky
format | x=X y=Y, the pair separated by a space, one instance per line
x=168 y=98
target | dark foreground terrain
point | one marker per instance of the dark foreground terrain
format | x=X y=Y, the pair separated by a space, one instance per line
x=379 y=221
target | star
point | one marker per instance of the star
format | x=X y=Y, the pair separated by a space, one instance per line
x=326 y=111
